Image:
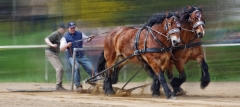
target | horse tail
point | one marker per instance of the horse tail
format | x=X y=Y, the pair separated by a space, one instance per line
x=101 y=62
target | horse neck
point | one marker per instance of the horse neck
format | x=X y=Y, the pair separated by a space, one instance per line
x=187 y=36
x=161 y=38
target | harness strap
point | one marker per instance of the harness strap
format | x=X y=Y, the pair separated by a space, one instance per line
x=190 y=45
x=137 y=37
x=152 y=50
x=155 y=38
x=100 y=73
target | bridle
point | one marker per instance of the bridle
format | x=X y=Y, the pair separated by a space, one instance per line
x=198 y=23
x=150 y=30
x=190 y=44
x=174 y=30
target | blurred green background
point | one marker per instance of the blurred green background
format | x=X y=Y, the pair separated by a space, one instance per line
x=28 y=22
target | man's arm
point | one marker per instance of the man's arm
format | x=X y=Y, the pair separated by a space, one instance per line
x=50 y=43
x=49 y=39
x=87 y=38
x=64 y=45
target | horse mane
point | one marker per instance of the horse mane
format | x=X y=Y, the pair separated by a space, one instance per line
x=159 y=18
x=156 y=19
x=170 y=14
x=185 y=13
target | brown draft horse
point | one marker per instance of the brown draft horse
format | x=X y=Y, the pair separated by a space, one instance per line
x=192 y=30
x=151 y=43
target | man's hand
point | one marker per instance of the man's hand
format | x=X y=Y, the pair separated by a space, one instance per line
x=69 y=44
x=90 y=38
x=54 y=45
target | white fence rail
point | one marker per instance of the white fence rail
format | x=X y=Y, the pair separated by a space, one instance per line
x=94 y=49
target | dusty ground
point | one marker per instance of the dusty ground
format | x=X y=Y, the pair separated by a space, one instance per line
x=222 y=94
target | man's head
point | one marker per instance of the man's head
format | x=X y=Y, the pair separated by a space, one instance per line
x=71 y=27
x=62 y=28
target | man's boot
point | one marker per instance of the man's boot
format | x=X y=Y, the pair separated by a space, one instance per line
x=60 y=87
x=79 y=89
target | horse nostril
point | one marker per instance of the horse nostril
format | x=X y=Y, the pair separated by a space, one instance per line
x=200 y=34
x=175 y=42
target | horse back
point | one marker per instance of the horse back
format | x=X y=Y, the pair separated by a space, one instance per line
x=120 y=38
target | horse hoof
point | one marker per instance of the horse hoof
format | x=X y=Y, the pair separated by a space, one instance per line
x=155 y=96
x=172 y=98
x=179 y=91
x=156 y=93
x=111 y=92
x=204 y=84
x=109 y=95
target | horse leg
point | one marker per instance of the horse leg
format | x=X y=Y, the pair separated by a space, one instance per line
x=169 y=94
x=173 y=80
x=169 y=72
x=107 y=85
x=116 y=71
x=109 y=57
x=155 y=87
x=205 y=79
x=177 y=82
x=115 y=74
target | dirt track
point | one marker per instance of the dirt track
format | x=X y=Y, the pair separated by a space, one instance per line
x=215 y=95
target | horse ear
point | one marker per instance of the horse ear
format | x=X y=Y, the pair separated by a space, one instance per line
x=177 y=12
x=200 y=6
x=166 y=13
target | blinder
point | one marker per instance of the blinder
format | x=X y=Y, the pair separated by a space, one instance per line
x=175 y=30
x=198 y=23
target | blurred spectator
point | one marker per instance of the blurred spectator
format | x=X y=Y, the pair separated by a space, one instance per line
x=22 y=16
x=52 y=51
x=39 y=14
x=54 y=12
x=6 y=10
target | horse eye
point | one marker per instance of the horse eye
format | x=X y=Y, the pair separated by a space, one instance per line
x=193 y=19
x=169 y=24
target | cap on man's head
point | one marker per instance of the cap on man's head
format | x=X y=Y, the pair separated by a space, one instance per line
x=71 y=25
x=62 y=25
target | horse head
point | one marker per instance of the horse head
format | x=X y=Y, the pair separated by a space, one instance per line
x=193 y=16
x=172 y=26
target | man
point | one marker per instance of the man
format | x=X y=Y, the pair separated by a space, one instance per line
x=74 y=39
x=52 y=51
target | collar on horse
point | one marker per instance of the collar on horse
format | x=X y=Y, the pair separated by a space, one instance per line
x=189 y=45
